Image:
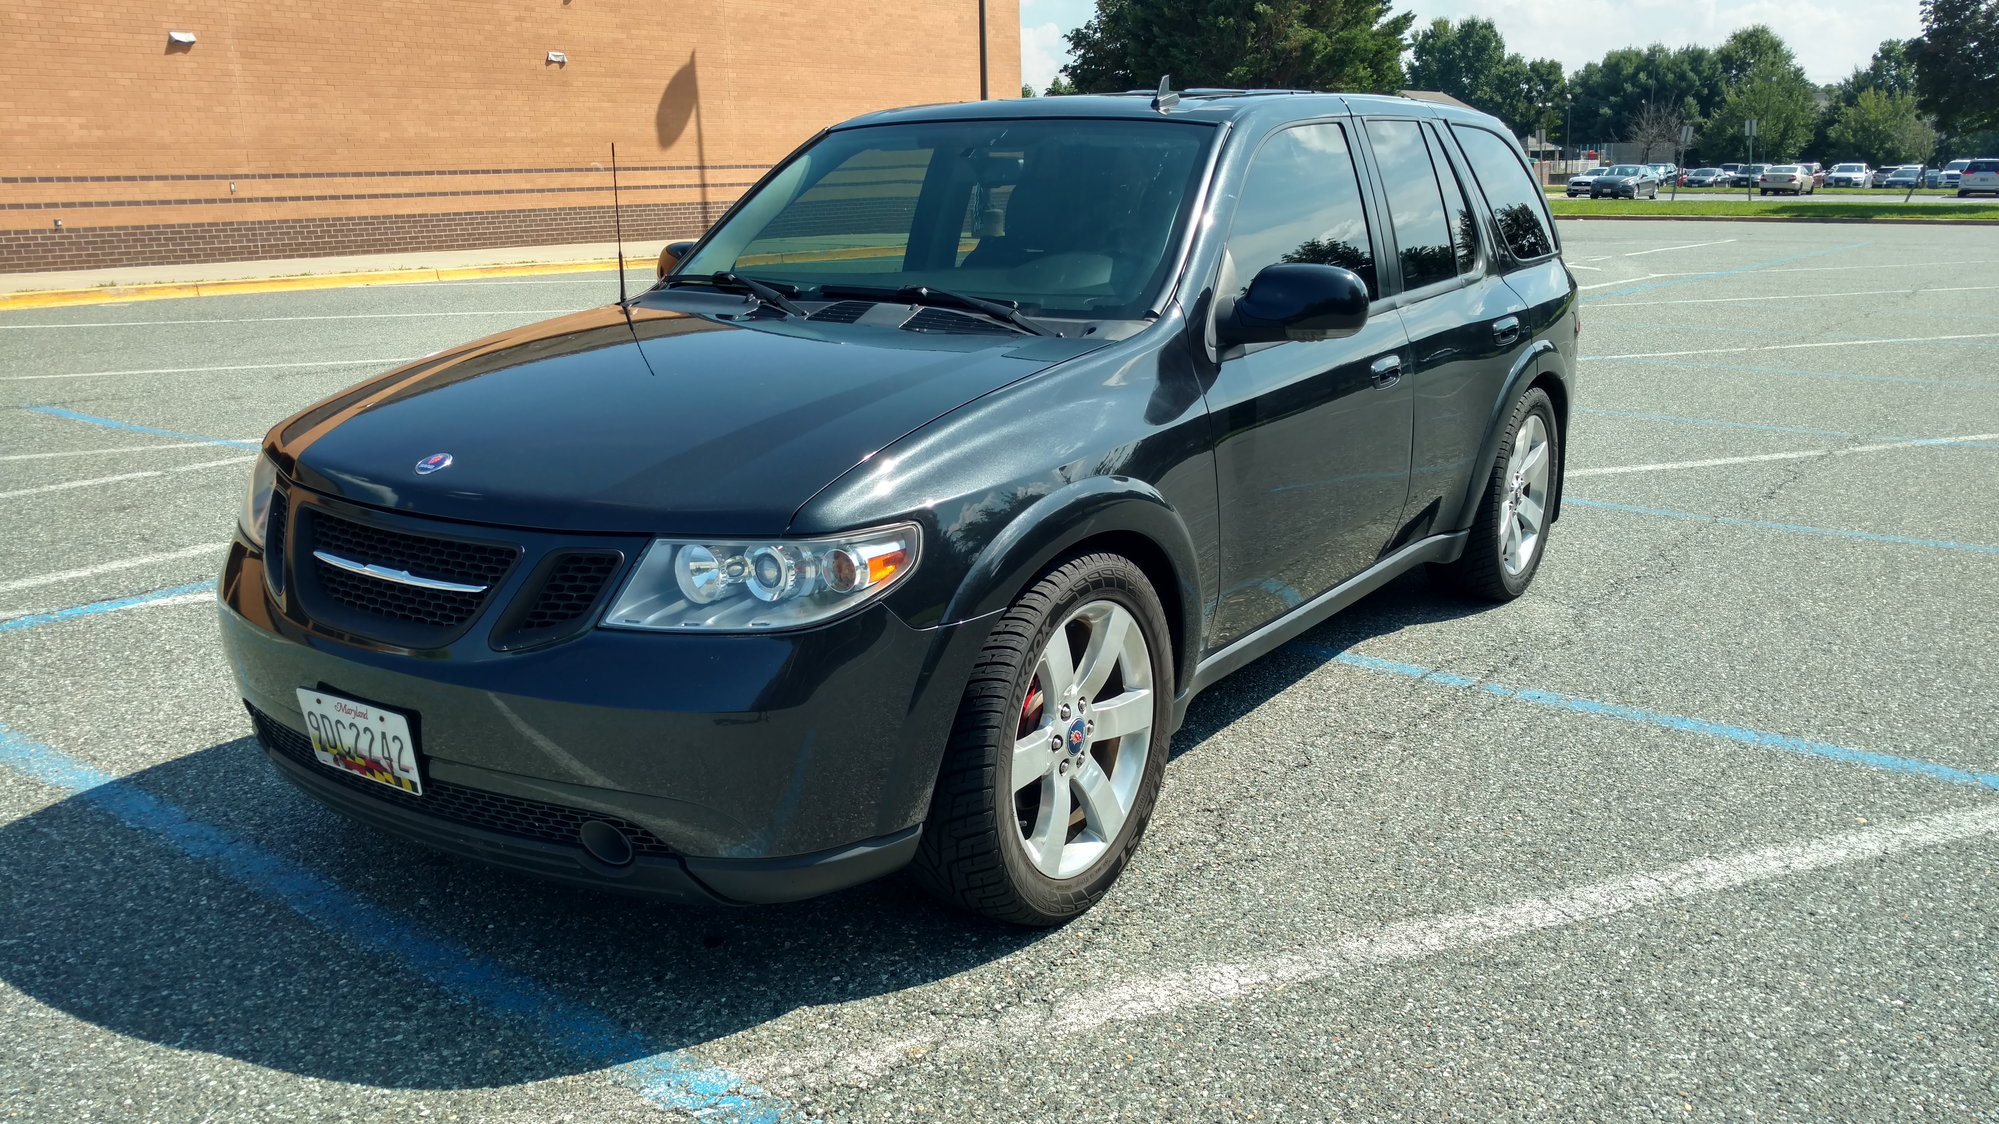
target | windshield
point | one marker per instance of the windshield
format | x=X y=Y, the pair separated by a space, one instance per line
x=1627 y=170
x=1066 y=217
x=1850 y=168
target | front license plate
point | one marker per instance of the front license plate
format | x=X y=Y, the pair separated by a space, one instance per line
x=362 y=739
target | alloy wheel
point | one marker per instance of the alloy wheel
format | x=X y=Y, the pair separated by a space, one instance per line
x=1527 y=473
x=1079 y=755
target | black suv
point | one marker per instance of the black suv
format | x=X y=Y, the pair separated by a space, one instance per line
x=900 y=521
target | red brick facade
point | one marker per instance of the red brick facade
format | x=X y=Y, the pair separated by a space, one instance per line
x=357 y=126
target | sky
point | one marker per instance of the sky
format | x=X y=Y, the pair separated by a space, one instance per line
x=1830 y=37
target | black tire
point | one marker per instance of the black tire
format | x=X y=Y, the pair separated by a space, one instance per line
x=1481 y=571
x=971 y=854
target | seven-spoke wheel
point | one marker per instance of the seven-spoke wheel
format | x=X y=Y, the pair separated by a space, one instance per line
x=1509 y=532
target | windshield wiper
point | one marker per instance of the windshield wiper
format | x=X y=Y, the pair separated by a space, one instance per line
x=1007 y=312
x=763 y=291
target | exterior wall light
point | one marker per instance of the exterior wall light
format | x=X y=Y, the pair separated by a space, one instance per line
x=558 y=58
x=184 y=38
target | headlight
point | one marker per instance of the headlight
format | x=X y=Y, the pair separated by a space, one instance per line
x=733 y=585
x=257 y=504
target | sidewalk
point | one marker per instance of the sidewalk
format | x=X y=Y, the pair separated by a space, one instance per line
x=154 y=282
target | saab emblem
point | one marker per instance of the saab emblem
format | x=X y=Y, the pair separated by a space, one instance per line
x=432 y=463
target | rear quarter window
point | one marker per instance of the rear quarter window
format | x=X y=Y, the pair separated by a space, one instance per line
x=1983 y=166
x=1517 y=203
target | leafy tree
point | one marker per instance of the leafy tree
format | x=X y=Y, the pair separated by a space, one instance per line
x=1764 y=82
x=1883 y=129
x=1957 y=63
x=1610 y=96
x=1026 y=90
x=1058 y=87
x=1892 y=70
x=1469 y=61
x=1307 y=44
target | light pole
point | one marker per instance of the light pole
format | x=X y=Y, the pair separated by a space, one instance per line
x=985 y=94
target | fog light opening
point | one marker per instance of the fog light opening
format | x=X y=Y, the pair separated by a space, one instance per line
x=605 y=843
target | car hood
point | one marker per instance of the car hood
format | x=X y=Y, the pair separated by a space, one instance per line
x=680 y=422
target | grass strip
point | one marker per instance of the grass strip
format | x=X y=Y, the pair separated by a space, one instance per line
x=1778 y=208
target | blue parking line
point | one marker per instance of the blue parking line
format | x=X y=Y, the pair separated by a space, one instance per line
x=33 y=620
x=1699 y=277
x=672 y=1079
x=114 y=423
x=1678 y=723
x=1781 y=428
x=1764 y=525
x=1786 y=371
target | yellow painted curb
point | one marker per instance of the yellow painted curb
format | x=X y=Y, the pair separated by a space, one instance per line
x=172 y=290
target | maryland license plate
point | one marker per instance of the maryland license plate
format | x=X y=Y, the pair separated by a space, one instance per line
x=362 y=739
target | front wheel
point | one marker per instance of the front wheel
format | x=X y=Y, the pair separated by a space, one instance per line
x=1510 y=531
x=1058 y=749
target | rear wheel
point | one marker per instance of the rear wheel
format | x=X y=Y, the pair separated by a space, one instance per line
x=1058 y=750
x=1510 y=531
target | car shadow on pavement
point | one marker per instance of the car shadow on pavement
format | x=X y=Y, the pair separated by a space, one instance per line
x=1408 y=600
x=121 y=928
x=118 y=927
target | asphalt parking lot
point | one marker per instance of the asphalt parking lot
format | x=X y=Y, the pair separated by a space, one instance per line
x=1706 y=827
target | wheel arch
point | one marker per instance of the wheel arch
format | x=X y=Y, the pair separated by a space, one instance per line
x=1538 y=365
x=1117 y=515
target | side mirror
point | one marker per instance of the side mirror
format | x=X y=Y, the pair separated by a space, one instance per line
x=1297 y=301
x=671 y=255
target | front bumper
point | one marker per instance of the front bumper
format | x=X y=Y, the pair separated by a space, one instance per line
x=761 y=768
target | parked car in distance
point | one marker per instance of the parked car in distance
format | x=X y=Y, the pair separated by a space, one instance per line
x=1746 y=175
x=1731 y=169
x=1666 y=173
x=1980 y=175
x=1879 y=176
x=1815 y=170
x=1849 y=175
x=1625 y=181
x=1580 y=184
x=1906 y=176
x=1780 y=178
x=1948 y=176
x=1705 y=177
x=833 y=554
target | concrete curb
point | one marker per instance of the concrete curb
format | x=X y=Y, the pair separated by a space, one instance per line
x=118 y=294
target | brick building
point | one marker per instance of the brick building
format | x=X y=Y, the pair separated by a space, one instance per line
x=293 y=129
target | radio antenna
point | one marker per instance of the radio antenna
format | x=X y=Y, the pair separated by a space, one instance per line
x=618 y=224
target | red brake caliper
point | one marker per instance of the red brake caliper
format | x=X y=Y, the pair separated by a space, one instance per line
x=1030 y=710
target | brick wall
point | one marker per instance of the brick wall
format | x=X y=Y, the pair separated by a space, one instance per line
x=349 y=126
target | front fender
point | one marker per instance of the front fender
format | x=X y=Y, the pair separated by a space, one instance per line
x=1120 y=512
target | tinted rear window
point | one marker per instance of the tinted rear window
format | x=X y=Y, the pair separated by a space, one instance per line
x=1516 y=200
x=1982 y=166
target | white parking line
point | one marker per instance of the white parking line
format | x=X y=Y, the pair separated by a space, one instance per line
x=275 y=319
x=1620 y=470
x=68 y=484
x=204 y=370
x=113 y=449
x=1796 y=346
x=1663 y=249
x=1394 y=943
x=110 y=567
x=1799 y=296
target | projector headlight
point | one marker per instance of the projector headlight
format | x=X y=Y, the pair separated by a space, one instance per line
x=735 y=585
x=257 y=502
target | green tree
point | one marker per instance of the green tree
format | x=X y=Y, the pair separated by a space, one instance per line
x=1764 y=82
x=1630 y=85
x=1892 y=70
x=1026 y=90
x=1299 y=44
x=1957 y=63
x=1469 y=61
x=1883 y=129
x=1058 y=87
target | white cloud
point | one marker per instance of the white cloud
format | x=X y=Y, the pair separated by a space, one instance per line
x=1043 y=52
x=1830 y=37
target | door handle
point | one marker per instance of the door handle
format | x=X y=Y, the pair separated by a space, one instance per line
x=1386 y=371
x=1506 y=330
